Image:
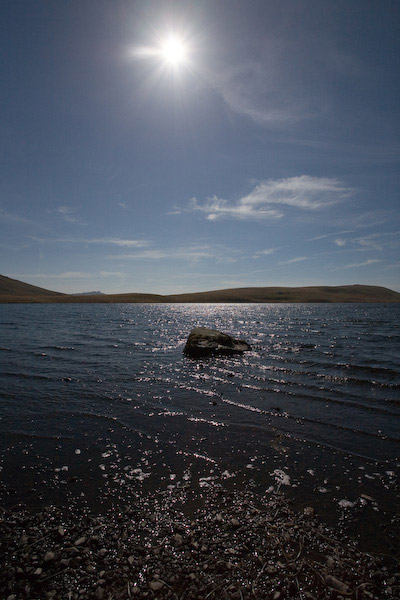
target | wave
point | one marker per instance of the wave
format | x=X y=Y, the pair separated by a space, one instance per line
x=26 y=376
x=298 y=419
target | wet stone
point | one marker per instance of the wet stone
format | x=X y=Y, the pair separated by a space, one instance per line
x=80 y=541
x=49 y=556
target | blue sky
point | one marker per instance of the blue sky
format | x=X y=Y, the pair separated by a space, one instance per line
x=268 y=156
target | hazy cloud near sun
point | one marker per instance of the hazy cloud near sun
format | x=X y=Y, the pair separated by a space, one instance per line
x=246 y=89
x=303 y=192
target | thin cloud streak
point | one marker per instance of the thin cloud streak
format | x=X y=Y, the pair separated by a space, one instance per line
x=106 y=240
x=120 y=242
x=191 y=253
x=67 y=213
x=326 y=235
x=370 y=241
x=303 y=192
x=64 y=275
x=266 y=252
x=294 y=260
x=366 y=263
x=217 y=208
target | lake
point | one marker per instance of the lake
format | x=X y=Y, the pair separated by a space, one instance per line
x=98 y=400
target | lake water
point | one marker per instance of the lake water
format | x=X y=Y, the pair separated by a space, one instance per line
x=97 y=399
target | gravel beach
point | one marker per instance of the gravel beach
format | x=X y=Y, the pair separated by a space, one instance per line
x=233 y=545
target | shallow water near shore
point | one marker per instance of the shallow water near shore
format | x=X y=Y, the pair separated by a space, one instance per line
x=98 y=400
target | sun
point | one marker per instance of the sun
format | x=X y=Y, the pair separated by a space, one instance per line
x=174 y=51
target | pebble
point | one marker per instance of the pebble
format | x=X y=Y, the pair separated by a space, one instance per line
x=65 y=562
x=132 y=556
x=156 y=585
x=49 y=556
x=336 y=584
x=99 y=593
x=80 y=541
x=178 y=539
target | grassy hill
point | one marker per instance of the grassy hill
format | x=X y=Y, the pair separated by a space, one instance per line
x=14 y=291
x=18 y=289
x=342 y=293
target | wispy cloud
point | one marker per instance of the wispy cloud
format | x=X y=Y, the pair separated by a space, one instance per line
x=119 y=242
x=189 y=253
x=378 y=240
x=266 y=252
x=326 y=235
x=128 y=243
x=293 y=260
x=12 y=218
x=217 y=208
x=246 y=89
x=371 y=218
x=303 y=192
x=366 y=263
x=64 y=275
x=67 y=213
x=340 y=242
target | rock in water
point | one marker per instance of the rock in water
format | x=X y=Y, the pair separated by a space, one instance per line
x=205 y=342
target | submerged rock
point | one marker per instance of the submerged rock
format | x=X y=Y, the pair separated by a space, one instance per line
x=205 y=342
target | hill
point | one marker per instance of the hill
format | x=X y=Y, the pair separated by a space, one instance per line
x=342 y=293
x=14 y=291
x=18 y=289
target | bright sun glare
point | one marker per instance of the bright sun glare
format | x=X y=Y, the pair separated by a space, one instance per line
x=174 y=51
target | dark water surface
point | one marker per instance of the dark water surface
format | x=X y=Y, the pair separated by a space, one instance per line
x=96 y=399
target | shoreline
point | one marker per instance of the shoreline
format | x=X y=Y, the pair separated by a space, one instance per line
x=234 y=545
x=14 y=291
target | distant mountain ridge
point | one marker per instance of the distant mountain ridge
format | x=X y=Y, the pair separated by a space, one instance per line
x=97 y=293
x=14 y=291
